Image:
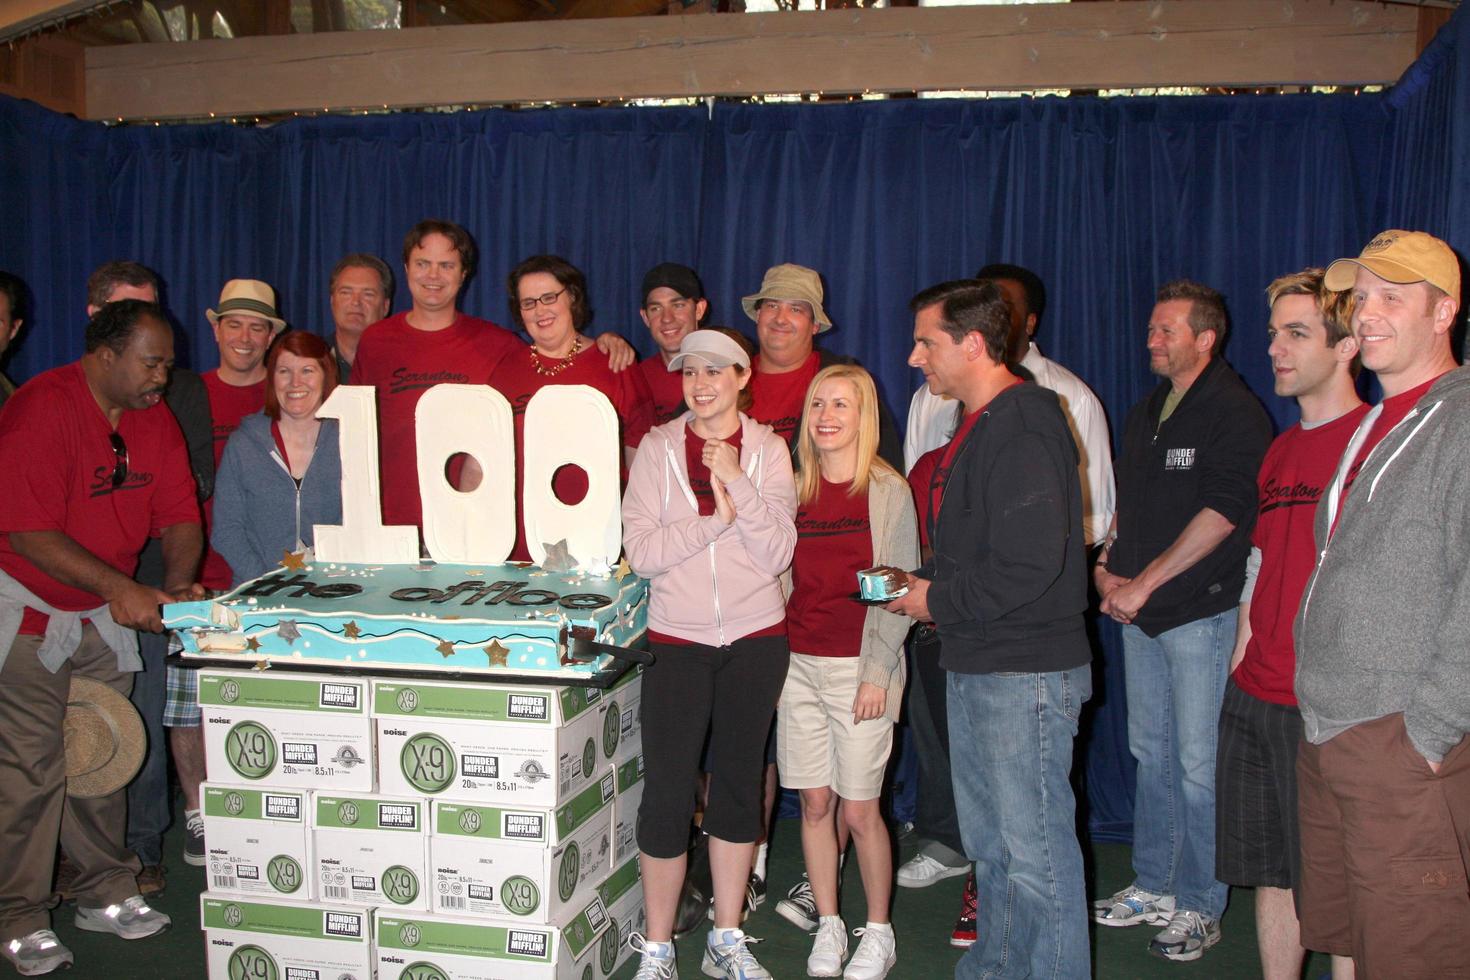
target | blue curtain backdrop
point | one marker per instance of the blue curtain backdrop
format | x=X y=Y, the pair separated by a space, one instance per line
x=1104 y=198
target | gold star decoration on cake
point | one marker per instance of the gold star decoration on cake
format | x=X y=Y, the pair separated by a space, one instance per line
x=252 y=644
x=497 y=653
x=287 y=630
x=445 y=648
x=352 y=631
x=623 y=570
x=558 y=558
x=294 y=560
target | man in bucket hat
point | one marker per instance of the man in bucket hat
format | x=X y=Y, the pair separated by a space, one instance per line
x=96 y=463
x=1382 y=674
x=245 y=322
x=788 y=315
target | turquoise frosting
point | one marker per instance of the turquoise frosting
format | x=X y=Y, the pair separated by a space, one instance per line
x=455 y=618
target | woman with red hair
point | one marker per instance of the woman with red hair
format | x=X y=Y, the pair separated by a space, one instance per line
x=281 y=473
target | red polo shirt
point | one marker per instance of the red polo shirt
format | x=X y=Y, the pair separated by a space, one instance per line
x=56 y=452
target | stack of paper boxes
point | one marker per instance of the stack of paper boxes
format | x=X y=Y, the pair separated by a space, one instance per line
x=393 y=828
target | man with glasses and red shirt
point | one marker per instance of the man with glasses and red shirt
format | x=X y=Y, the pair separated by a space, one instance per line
x=430 y=344
x=96 y=464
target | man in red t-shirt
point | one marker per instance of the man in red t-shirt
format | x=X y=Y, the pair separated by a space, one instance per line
x=788 y=315
x=1314 y=358
x=1383 y=772
x=432 y=343
x=245 y=322
x=673 y=307
x=96 y=464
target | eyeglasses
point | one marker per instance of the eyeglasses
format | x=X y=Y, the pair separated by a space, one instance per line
x=120 y=453
x=545 y=299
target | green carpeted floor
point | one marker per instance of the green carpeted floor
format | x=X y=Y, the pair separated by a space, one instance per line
x=923 y=919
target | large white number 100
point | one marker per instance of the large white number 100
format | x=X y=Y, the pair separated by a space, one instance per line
x=564 y=424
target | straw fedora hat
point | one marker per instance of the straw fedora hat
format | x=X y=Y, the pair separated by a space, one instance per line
x=104 y=739
x=250 y=297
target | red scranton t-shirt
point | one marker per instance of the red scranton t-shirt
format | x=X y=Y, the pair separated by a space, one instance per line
x=778 y=399
x=402 y=362
x=517 y=379
x=834 y=541
x=56 y=452
x=666 y=387
x=1297 y=470
x=228 y=404
x=699 y=474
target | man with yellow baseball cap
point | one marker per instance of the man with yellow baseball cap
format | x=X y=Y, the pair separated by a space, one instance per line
x=1383 y=678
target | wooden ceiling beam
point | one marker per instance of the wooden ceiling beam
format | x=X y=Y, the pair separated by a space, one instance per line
x=1128 y=44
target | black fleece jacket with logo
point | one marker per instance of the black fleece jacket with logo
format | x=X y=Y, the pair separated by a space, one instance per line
x=1206 y=454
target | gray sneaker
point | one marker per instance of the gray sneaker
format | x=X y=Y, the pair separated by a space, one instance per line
x=194 y=852
x=1186 y=937
x=39 y=953
x=1133 y=906
x=133 y=919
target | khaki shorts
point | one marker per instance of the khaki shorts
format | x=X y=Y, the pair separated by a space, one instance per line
x=817 y=744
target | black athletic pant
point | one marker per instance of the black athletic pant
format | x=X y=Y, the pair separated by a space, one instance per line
x=730 y=692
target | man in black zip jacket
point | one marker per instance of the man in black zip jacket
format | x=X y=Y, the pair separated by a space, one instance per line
x=1006 y=589
x=1171 y=572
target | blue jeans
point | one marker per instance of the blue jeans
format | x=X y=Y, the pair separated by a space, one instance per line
x=1176 y=683
x=1018 y=820
x=148 y=802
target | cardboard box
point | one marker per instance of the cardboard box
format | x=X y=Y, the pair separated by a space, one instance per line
x=410 y=947
x=300 y=731
x=541 y=866
x=501 y=745
x=622 y=896
x=629 y=776
x=371 y=850
x=259 y=842
x=284 y=940
x=625 y=701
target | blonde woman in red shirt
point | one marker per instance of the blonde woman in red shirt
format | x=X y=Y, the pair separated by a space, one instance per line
x=834 y=724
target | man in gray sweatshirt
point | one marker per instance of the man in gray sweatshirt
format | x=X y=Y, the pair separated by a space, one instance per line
x=1383 y=638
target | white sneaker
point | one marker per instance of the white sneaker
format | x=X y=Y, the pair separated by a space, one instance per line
x=727 y=954
x=875 y=956
x=36 y=954
x=658 y=959
x=921 y=871
x=132 y=919
x=829 y=948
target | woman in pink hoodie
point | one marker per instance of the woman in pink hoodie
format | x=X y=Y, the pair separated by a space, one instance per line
x=708 y=517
